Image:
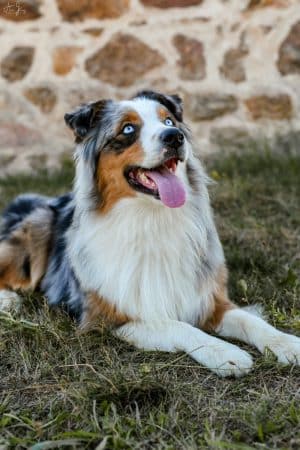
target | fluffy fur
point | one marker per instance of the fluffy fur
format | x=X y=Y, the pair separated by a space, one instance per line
x=127 y=249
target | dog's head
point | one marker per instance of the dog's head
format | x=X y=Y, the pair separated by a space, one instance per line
x=136 y=147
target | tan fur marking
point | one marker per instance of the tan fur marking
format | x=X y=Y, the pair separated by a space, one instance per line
x=221 y=302
x=11 y=274
x=111 y=181
x=31 y=240
x=96 y=309
x=130 y=117
x=163 y=113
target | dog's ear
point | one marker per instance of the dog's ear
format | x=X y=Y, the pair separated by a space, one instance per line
x=84 y=118
x=172 y=102
x=177 y=105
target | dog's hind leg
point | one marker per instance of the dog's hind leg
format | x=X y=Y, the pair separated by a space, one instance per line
x=24 y=254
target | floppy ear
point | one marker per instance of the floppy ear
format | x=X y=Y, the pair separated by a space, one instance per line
x=172 y=102
x=177 y=104
x=84 y=118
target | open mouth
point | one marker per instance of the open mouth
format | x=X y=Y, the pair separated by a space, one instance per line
x=161 y=182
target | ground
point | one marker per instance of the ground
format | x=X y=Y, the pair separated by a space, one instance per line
x=88 y=391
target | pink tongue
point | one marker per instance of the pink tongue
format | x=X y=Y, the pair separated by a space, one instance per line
x=170 y=188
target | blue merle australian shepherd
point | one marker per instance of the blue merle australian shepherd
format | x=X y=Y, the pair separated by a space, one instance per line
x=135 y=244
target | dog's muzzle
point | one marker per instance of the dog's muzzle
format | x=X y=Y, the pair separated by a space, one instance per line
x=172 y=141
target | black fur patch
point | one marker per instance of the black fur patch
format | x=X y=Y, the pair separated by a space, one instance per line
x=60 y=202
x=16 y=241
x=119 y=143
x=172 y=102
x=84 y=118
x=59 y=283
x=17 y=210
x=26 y=267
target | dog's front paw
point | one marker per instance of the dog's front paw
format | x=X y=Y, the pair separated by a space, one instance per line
x=235 y=362
x=228 y=360
x=286 y=347
x=9 y=301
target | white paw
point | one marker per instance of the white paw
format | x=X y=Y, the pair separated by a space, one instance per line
x=9 y=301
x=286 y=347
x=226 y=360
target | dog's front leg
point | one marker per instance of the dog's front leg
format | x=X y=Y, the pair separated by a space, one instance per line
x=219 y=356
x=241 y=324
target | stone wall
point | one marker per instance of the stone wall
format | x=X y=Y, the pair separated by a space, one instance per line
x=236 y=63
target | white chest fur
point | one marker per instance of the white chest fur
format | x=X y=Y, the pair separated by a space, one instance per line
x=146 y=260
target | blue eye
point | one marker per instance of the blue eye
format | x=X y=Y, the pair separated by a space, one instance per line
x=169 y=122
x=128 y=129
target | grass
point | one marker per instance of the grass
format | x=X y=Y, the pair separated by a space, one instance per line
x=60 y=389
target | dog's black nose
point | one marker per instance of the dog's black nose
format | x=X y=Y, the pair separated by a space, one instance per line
x=172 y=137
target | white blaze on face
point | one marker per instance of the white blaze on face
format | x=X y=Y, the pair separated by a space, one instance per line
x=151 y=129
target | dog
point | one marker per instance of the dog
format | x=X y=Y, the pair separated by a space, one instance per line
x=135 y=243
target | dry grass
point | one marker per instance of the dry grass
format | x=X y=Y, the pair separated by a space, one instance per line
x=63 y=390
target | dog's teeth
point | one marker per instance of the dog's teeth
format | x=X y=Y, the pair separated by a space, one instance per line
x=144 y=179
